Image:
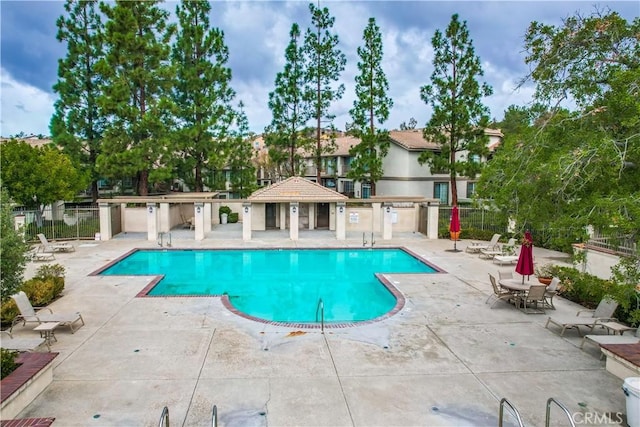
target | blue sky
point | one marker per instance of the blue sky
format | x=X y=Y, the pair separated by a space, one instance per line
x=256 y=33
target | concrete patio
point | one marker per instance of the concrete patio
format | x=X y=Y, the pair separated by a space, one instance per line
x=446 y=359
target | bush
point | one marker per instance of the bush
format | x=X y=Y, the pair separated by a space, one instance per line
x=224 y=210
x=54 y=272
x=40 y=291
x=233 y=217
x=7 y=362
x=8 y=312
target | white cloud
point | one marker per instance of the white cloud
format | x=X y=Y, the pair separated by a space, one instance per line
x=25 y=108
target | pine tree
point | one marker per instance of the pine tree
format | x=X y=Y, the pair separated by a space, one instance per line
x=137 y=81
x=243 y=171
x=287 y=134
x=325 y=63
x=202 y=91
x=371 y=105
x=459 y=118
x=77 y=124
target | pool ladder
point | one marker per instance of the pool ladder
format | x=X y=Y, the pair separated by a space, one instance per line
x=161 y=239
x=364 y=241
x=516 y=414
x=164 y=417
x=320 y=310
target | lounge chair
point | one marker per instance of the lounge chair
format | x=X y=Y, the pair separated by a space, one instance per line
x=36 y=254
x=612 y=339
x=28 y=313
x=552 y=290
x=55 y=246
x=475 y=247
x=498 y=293
x=8 y=342
x=602 y=313
x=505 y=259
x=533 y=301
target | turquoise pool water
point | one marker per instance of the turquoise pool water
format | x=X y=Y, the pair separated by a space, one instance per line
x=279 y=285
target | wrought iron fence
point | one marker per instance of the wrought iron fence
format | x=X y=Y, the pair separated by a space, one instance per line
x=476 y=218
x=61 y=223
x=619 y=245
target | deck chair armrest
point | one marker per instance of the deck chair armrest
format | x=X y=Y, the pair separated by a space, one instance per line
x=579 y=313
x=39 y=309
x=606 y=319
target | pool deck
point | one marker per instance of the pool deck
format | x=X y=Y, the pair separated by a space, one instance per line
x=446 y=359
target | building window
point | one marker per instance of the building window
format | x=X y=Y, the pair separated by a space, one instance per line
x=366 y=191
x=471 y=189
x=347 y=186
x=475 y=158
x=441 y=192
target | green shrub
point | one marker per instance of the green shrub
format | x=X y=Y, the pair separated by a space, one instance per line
x=54 y=272
x=224 y=210
x=233 y=217
x=8 y=311
x=7 y=362
x=40 y=291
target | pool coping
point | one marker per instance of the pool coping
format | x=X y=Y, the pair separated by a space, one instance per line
x=226 y=302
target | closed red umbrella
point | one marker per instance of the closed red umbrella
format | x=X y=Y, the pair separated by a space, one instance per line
x=525 y=260
x=454 y=227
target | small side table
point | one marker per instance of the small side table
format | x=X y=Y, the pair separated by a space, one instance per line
x=47 y=331
x=617 y=328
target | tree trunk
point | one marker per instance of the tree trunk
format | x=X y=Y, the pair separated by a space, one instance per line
x=143 y=183
x=95 y=194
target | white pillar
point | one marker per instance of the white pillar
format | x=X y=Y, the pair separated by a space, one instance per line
x=19 y=222
x=312 y=216
x=433 y=211
x=152 y=221
x=105 y=222
x=246 y=221
x=375 y=216
x=207 y=217
x=165 y=221
x=283 y=216
x=294 y=210
x=198 y=216
x=341 y=220
x=387 y=224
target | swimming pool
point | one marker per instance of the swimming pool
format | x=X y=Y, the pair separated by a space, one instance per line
x=280 y=285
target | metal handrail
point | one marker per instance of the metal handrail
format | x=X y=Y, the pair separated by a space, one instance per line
x=320 y=307
x=564 y=408
x=164 y=418
x=214 y=416
x=513 y=409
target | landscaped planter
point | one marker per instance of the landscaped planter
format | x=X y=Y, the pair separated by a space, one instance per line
x=24 y=384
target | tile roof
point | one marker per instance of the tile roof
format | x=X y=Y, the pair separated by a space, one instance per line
x=412 y=139
x=296 y=189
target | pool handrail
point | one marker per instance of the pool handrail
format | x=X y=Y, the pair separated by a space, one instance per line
x=164 y=418
x=320 y=307
x=214 y=416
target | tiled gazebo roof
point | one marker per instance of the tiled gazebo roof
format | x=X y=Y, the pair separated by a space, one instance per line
x=296 y=189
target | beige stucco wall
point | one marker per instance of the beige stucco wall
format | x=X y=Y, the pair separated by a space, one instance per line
x=135 y=219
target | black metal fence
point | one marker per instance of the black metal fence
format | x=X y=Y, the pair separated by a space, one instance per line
x=473 y=218
x=61 y=223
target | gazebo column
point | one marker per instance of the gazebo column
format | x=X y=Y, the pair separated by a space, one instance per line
x=207 y=217
x=152 y=221
x=246 y=221
x=341 y=221
x=294 y=210
x=199 y=220
x=312 y=216
x=433 y=211
x=106 y=233
x=387 y=223
x=165 y=223
x=283 y=216
x=375 y=216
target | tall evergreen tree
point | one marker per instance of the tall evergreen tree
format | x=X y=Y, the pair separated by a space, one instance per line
x=77 y=124
x=325 y=63
x=137 y=81
x=459 y=117
x=288 y=133
x=371 y=107
x=243 y=171
x=202 y=89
